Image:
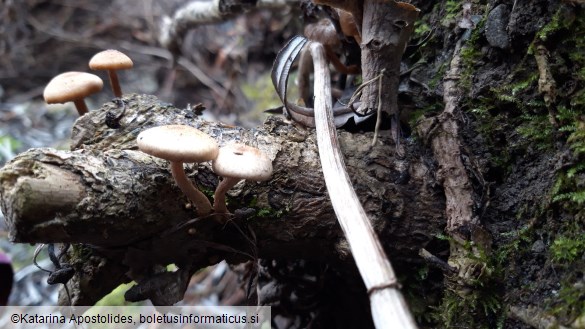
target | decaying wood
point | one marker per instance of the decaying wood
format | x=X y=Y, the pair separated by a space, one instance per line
x=132 y=215
x=389 y=310
x=463 y=224
x=35 y=198
x=386 y=29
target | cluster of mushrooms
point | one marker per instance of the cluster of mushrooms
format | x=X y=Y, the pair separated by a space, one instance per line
x=176 y=143
x=75 y=86
x=184 y=144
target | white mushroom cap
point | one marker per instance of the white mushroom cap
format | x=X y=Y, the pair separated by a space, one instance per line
x=241 y=161
x=178 y=143
x=71 y=86
x=110 y=59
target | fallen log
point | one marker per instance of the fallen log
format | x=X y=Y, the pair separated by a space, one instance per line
x=123 y=204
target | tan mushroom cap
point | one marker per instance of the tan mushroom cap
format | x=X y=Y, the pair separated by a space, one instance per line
x=178 y=143
x=241 y=161
x=323 y=31
x=70 y=86
x=110 y=59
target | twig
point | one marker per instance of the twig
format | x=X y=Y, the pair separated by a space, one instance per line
x=389 y=310
x=379 y=116
x=436 y=262
x=547 y=85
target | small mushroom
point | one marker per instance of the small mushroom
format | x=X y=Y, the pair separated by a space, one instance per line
x=111 y=60
x=324 y=32
x=348 y=25
x=72 y=87
x=181 y=144
x=234 y=163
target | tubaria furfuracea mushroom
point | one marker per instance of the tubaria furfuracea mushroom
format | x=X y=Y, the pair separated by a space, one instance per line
x=234 y=163
x=72 y=87
x=181 y=144
x=111 y=60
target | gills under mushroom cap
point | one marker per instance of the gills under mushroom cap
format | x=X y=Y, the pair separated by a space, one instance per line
x=241 y=161
x=178 y=143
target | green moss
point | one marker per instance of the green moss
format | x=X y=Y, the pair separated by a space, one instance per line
x=470 y=53
x=438 y=77
x=567 y=249
x=556 y=23
x=477 y=301
x=569 y=188
x=538 y=130
x=272 y=213
x=517 y=243
x=571 y=302
x=417 y=114
x=451 y=9
x=265 y=211
x=509 y=92
x=470 y=311
x=421 y=29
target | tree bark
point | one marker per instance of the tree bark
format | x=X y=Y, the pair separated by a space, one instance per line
x=386 y=29
x=124 y=200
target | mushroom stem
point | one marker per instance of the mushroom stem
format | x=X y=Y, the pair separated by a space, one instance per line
x=80 y=106
x=115 y=83
x=199 y=199
x=219 y=205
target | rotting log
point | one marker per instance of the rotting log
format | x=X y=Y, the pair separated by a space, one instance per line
x=124 y=206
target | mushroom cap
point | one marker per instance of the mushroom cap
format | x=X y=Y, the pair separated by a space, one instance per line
x=70 y=86
x=322 y=31
x=178 y=143
x=241 y=161
x=110 y=59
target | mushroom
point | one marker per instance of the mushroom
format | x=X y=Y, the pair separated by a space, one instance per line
x=179 y=144
x=72 y=87
x=324 y=32
x=111 y=60
x=234 y=163
x=348 y=25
